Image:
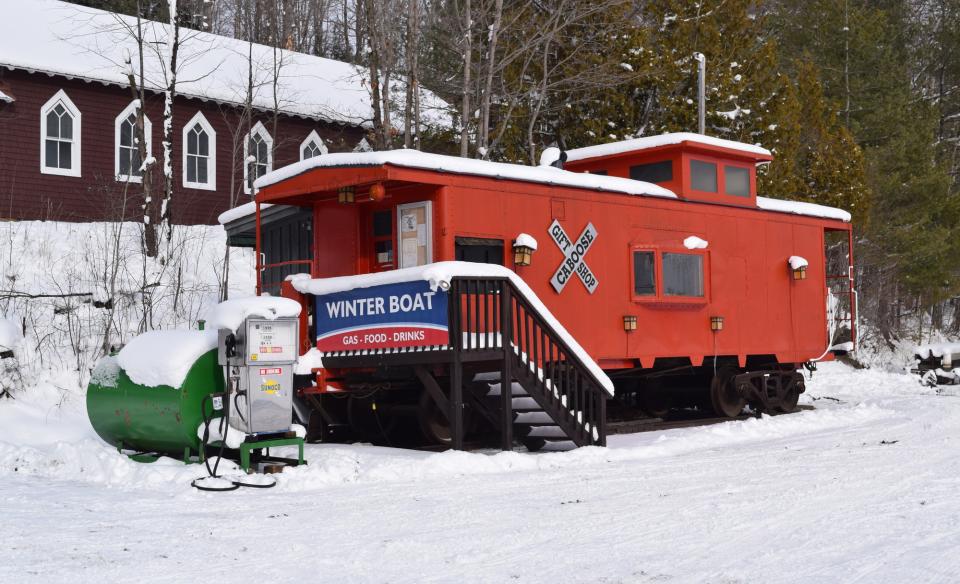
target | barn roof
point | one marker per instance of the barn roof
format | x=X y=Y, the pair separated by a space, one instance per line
x=58 y=38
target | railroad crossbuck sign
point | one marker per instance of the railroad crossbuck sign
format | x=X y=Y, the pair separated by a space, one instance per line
x=573 y=252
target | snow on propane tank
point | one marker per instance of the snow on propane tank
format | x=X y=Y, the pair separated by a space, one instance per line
x=148 y=397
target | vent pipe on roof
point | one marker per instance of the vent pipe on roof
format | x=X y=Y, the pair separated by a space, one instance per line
x=701 y=92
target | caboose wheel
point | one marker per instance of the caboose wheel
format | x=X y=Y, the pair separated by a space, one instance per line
x=790 y=399
x=433 y=422
x=534 y=444
x=724 y=397
x=654 y=401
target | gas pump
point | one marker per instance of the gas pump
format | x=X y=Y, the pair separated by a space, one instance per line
x=256 y=410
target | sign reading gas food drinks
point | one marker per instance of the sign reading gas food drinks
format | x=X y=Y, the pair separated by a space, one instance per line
x=408 y=314
x=573 y=252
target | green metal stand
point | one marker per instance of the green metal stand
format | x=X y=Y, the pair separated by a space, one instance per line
x=247 y=447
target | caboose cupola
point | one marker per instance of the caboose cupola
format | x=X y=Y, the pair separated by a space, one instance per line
x=695 y=167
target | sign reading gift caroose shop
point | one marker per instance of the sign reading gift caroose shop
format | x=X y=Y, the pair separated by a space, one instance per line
x=391 y=316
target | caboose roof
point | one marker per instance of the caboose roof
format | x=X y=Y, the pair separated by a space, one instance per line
x=740 y=149
x=415 y=159
x=59 y=38
x=547 y=175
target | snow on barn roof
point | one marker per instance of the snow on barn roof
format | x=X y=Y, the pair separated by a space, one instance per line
x=6 y=98
x=454 y=164
x=647 y=142
x=57 y=38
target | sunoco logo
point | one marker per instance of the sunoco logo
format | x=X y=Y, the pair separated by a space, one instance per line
x=573 y=252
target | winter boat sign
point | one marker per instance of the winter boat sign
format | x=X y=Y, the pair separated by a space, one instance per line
x=408 y=314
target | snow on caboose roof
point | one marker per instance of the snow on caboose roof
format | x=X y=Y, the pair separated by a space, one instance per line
x=801 y=208
x=648 y=142
x=58 y=38
x=454 y=164
x=438 y=275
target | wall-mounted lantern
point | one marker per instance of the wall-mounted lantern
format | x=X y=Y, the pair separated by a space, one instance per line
x=798 y=267
x=629 y=322
x=345 y=194
x=377 y=192
x=523 y=247
x=716 y=323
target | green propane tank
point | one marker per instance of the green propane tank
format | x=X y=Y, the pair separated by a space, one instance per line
x=156 y=415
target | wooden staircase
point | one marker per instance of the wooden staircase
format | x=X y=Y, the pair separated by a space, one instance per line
x=496 y=332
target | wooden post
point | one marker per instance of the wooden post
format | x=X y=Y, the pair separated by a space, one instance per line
x=506 y=372
x=456 y=369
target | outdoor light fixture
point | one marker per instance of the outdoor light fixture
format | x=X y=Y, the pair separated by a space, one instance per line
x=523 y=247
x=377 y=192
x=629 y=322
x=716 y=323
x=798 y=267
x=345 y=194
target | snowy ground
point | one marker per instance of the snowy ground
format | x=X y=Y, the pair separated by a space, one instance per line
x=862 y=489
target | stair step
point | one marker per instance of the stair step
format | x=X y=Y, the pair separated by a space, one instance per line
x=516 y=389
x=547 y=432
x=540 y=417
x=525 y=403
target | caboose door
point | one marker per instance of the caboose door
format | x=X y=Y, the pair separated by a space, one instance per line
x=415 y=234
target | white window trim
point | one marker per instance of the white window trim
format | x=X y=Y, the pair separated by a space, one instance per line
x=74 y=170
x=313 y=137
x=257 y=129
x=147 y=136
x=211 y=184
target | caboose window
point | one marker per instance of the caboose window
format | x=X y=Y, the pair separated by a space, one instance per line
x=737 y=181
x=682 y=274
x=644 y=279
x=653 y=172
x=703 y=176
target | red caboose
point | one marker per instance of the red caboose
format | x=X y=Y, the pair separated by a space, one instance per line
x=655 y=254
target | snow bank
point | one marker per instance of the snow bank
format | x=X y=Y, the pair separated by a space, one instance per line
x=158 y=358
x=937 y=350
x=526 y=240
x=439 y=276
x=797 y=262
x=454 y=164
x=11 y=335
x=230 y=314
x=240 y=211
x=694 y=242
x=800 y=208
x=647 y=142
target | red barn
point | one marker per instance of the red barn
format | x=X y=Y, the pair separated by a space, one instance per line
x=65 y=105
x=656 y=254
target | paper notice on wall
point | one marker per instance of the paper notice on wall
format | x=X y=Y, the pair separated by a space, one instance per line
x=421 y=234
x=408 y=222
x=409 y=253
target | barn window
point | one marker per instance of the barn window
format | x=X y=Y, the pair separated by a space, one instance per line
x=127 y=162
x=60 y=136
x=736 y=181
x=312 y=146
x=257 y=156
x=199 y=154
x=644 y=275
x=682 y=274
x=653 y=172
x=703 y=176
